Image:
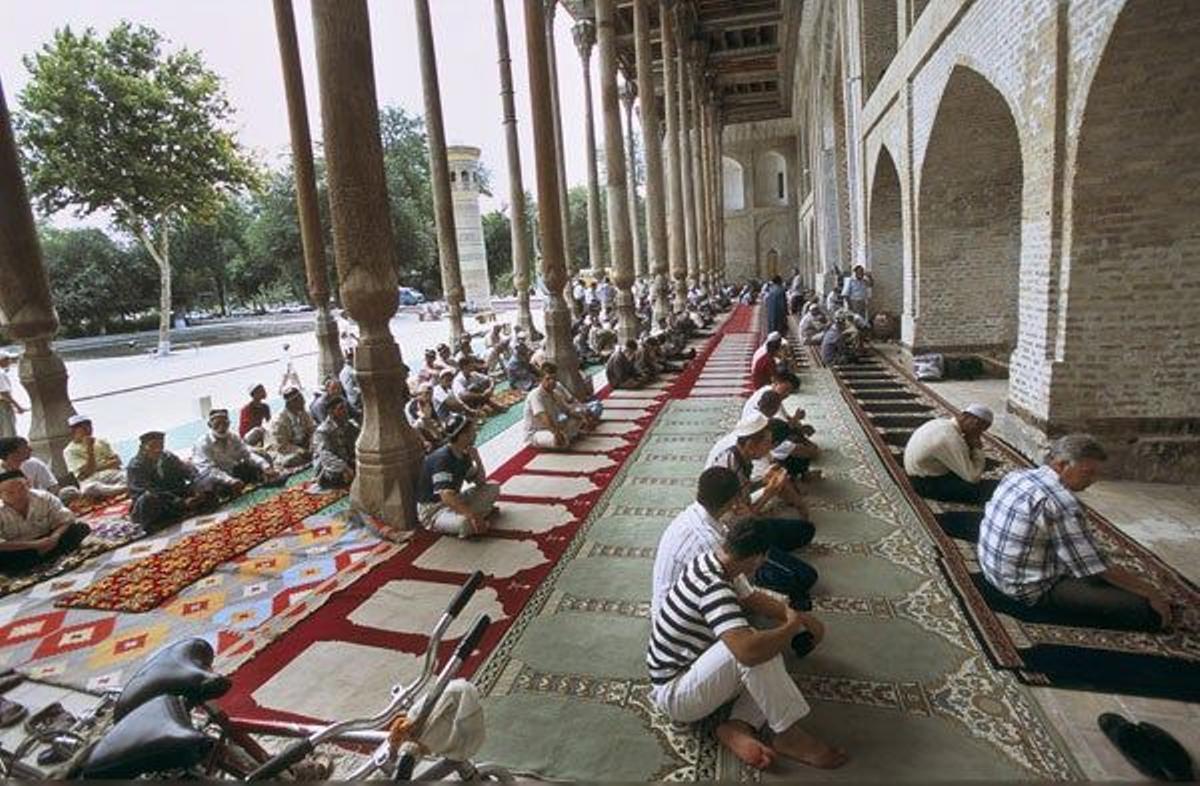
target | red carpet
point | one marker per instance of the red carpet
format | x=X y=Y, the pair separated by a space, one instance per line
x=147 y=583
x=332 y=621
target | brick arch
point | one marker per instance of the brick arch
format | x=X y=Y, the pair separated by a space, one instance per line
x=885 y=238
x=879 y=37
x=969 y=221
x=1132 y=335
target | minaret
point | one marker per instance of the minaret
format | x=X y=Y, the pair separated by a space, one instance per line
x=472 y=257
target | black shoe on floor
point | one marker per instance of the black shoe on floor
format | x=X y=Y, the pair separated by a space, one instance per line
x=1133 y=743
x=1172 y=757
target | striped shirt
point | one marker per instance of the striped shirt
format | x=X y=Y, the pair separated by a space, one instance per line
x=1034 y=532
x=696 y=612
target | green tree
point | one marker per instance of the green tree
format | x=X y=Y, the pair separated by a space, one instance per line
x=208 y=251
x=406 y=166
x=98 y=285
x=115 y=124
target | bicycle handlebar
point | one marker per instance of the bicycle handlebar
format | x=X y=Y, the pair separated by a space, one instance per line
x=471 y=640
x=464 y=594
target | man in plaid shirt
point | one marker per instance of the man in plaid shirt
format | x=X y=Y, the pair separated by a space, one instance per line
x=1034 y=547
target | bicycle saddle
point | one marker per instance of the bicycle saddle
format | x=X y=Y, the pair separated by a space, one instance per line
x=181 y=669
x=154 y=737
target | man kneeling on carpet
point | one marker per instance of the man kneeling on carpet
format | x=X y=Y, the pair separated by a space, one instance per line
x=700 y=528
x=703 y=653
x=944 y=457
x=226 y=459
x=164 y=487
x=752 y=440
x=334 y=444
x=442 y=503
x=1035 y=547
x=35 y=527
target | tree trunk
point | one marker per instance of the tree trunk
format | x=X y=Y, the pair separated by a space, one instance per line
x=164 y=298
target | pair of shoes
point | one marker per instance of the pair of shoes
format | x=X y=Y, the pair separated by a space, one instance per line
x=1149 y=748
x=11 y=713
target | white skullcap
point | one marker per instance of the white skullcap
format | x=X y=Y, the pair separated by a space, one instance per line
x=78 y=420
x=979 y=411
x=751 y=425
x=774 y=336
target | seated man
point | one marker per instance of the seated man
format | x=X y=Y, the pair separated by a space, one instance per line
x=499 y=348
x=548 y=424
x=292 y=432
x=429 y=372
x=164 y=487
x=750 y=441
x=333 y=447
x=254 y=416
x=474 y=388
x=348 y=376
x=35 y=527
x=446 y=402
x=587 y=413
x=813 y=325
x=92 y=461
x=601 y=339
x=703 y=653
x=766 y=361
x=836 y=346
x=445 y=358
x=225 y=458
x=420 y=415
x=791 y=448
x=944 y=457
x=521 y=374
x=442 y=503
x=15 y=453
x=700 y=528
x=1035 y=548
x=319 y=408
x=645 y=360
x=621 y=371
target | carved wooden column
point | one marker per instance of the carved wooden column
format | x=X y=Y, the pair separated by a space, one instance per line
x=516 y=188
x=329 y=350
x=628 y=97
x=389 y=455
x=614 y=158
x=560 y=155
x=585 y=38
x=656 y=185
x=439 y=173
x=26 y=310
x=685 y=148
x=677 y=231
x=559 y=349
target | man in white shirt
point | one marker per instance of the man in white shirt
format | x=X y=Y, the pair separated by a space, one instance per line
x=944 y=457
x=9 y=408
x=15 y=453
x=700 y=528
x=35 y=527
x=549 y=425
x=857 y=290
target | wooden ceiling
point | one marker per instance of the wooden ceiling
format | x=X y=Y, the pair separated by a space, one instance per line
x=742 y=46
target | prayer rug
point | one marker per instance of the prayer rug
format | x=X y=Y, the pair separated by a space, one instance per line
x=1038 y=652
x=899 y=680
x=149 y=582
x=536 y=526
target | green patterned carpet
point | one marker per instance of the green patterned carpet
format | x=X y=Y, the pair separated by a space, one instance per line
x=899 y=680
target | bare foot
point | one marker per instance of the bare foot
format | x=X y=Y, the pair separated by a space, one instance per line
x=740 y=740
x=795 y=743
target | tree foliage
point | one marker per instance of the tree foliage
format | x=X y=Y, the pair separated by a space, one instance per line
x=114 y=124
x=99 y=286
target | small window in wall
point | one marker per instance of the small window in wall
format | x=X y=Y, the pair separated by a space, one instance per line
x=734 y=184
x=453 y=176
x=770 y=180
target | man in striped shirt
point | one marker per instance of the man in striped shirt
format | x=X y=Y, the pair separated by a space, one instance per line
x=1035 y=548
x=704 y=653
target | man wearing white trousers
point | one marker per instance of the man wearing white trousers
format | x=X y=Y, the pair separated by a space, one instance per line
x=703 y=653
x=445 y=501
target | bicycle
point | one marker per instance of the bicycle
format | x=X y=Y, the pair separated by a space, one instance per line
x=148 y=728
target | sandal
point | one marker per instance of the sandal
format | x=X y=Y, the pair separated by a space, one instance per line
x=1172 y=757
x=1133 y=743
x=52 y=717
x=10 y=679
x=11 y=713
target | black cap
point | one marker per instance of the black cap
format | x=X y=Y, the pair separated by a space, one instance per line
x=151 y=435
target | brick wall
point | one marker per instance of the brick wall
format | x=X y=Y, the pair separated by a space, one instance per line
x=886 y=237
x=878 y=19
